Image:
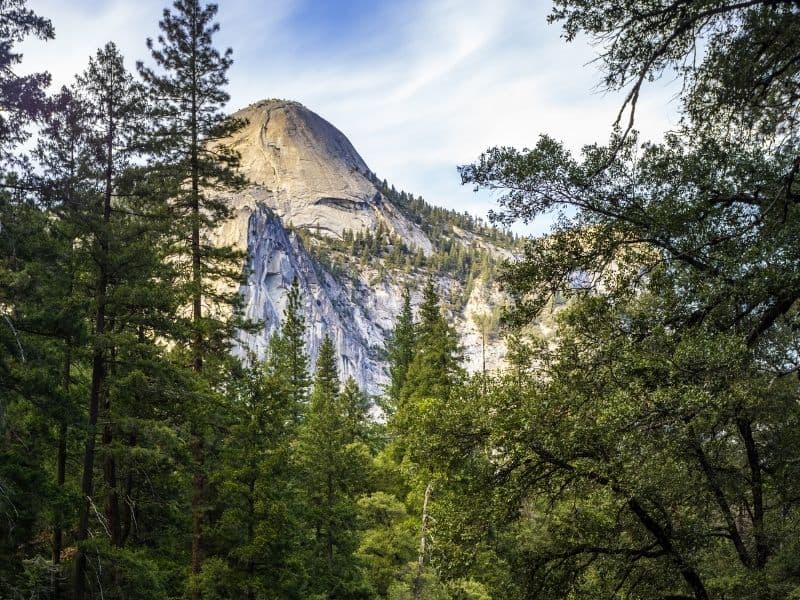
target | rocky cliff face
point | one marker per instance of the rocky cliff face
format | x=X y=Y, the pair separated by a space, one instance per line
x=308 y=172
x=309 y=191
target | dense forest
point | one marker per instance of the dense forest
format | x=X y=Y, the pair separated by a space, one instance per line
x=649 y=448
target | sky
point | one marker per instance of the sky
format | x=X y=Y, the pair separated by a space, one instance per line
x=418 y=86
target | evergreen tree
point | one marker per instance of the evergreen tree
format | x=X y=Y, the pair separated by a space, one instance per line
x=114 y=105
x=89 y=230
x=334 y=472
x=401 y=349
x=21 y=96
x=432 y=374
x=62 y=150
x=35 y=397
x=388 y=543
x=435 y=368
x=355 y=406
x=255 y=536
x=262 y=502
x=288 y=358
x=22 y=100
x=188 y=144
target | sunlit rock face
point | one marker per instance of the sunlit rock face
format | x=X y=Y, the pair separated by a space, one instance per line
x=310 y=175
x=304 y=174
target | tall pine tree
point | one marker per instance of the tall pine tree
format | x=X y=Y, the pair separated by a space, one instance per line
x=188 y=146
x=287 y=359
x=435 y=368
x=334 y=473
x=114 y=105
x=401 y=349
x=63 y=150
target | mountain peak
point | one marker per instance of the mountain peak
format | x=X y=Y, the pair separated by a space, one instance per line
x=286 y=123
x=310 y=175
x=309 y=171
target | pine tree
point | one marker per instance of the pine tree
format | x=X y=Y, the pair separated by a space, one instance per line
x=261 y=504
x=37 y=327
x=401 y=349
x=61 y=150
x=432 y=373
x=334 y=471
x=34 y=399
x=256 y=529
x=22 y=97
x=287 y=359
x=87 y=226
x=189 y=147
x=355 y=410
x=435 y=368
x=115 y=104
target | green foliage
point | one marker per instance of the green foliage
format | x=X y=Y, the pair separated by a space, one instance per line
x=21 y=96
x=638 y=461
x=735 y=58
x=435 y=369
x=589 y=472
x=288 y=360
x=401 y=349
x=358 y=422
x=388 y=543
x=430 y=588
x=194 y=167
x=334 y=471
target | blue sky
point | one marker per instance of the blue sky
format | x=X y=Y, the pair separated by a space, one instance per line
x=419 y=86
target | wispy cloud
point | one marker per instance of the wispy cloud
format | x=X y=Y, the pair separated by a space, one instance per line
x=419 y=86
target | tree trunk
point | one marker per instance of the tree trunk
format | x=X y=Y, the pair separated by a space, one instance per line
x=98 y=363
x=61 y=467
x=722 y=502
x=61 y=463
x=757 y=492
x=662 y=536
x=197 y=443
x=98 y=377
x=111 y=509
x=423 y=538
x=128 y=516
